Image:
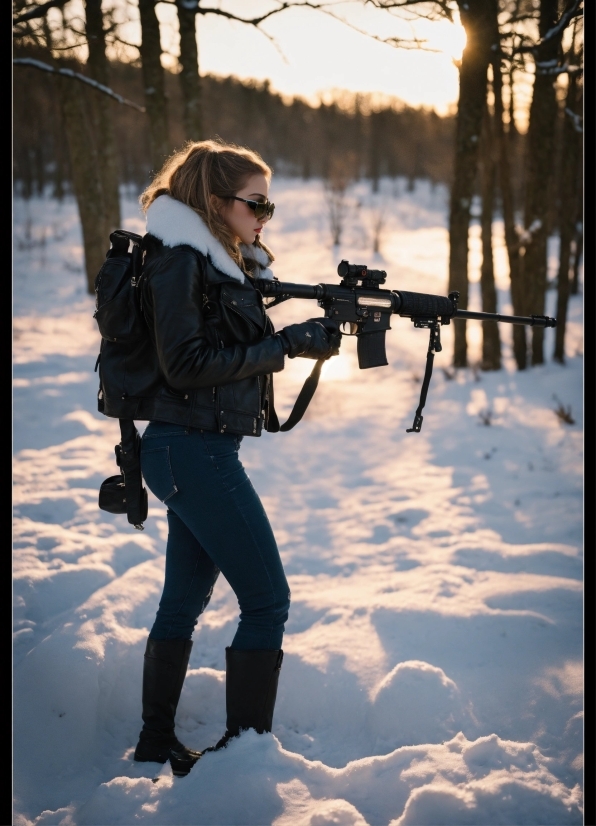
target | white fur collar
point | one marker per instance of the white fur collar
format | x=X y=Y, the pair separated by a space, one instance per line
x=176 y=223
x=259 y=255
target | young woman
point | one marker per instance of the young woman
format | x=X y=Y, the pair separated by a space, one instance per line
x=214 y=350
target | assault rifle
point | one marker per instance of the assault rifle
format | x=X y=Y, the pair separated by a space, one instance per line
x=359 y=307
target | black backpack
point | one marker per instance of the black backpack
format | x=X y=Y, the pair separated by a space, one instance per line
x=119 y=316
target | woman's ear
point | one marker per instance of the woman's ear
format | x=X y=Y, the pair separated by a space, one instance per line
x=217 y=204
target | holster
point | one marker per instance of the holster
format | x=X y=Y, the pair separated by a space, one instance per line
x=125 y=493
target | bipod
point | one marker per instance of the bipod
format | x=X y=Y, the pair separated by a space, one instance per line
x=434 y=346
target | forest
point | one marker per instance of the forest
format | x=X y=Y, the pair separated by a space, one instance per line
x=69 y=134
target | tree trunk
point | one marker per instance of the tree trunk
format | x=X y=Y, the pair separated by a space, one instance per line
x=507 y=202
x=98 y=67
x=190 y=79
x=578 y=236
x=375 y=127
x=154 y=80
x=571 y=154
x=479 y=18
x=85 y=176
x=539 y=163
x=578 y=245
x=491 y=344
x=84 y=167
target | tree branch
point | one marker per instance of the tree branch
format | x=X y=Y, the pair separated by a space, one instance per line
x=45 y=67
x=445 y=7
x=577 y=120
x=39 y=11
x=573 y=10
x=550 y=67
x=68 y=48
x=253 y=21
x=415 y=43
x=115 y=38
x=399 y=42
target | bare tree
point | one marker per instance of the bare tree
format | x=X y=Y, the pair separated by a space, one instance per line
x=340 y=174
x=507 y=204
x=491 y=345
x=569 y=181
x=154 y=80
x=539 y=165
x=378 y=223
x=86 y=118
x=578 y=234
x=479 y=20
x=527 y=244
x=578 y=239
x=98 y=67
x=190 y=78
x=86 y=167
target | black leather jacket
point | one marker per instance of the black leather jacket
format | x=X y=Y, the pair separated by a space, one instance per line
x=211 y=349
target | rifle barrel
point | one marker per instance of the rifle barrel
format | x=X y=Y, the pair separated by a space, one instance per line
x=532 y=321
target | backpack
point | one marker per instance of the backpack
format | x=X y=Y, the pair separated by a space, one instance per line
x=120 y=320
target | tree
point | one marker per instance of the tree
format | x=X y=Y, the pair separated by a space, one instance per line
x=98 y=67
x=190 y=78
x=153 y=77
x=491 y=344
x=539 y=165
x=527 y=244
x=527 y=247
x=571 y=165
x=86 y=120
x=479 y=20
x=503 y=140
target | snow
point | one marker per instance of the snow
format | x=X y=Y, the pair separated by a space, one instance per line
x=433 y=669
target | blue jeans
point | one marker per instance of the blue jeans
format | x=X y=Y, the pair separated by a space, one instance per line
x=216 y=523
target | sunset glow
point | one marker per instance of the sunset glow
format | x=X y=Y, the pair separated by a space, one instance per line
x=304 y=52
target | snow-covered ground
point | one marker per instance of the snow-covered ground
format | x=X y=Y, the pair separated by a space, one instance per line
x=433 y=668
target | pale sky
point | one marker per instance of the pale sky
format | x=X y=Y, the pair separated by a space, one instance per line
x=319 y=53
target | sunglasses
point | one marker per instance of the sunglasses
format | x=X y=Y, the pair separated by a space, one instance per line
x=261 y=209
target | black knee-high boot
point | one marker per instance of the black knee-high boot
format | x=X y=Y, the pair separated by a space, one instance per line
x=164 y=670
x=251 y=690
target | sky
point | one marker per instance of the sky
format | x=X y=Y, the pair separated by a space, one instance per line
x=313 y=53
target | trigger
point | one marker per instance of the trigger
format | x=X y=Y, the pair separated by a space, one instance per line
x=348 y=328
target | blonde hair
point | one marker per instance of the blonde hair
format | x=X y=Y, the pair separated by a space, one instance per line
x=202 y=175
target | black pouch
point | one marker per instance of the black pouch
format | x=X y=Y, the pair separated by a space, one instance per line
x=125 y=492
x=112 y=494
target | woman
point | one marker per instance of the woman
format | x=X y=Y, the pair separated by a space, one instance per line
x=214 y=352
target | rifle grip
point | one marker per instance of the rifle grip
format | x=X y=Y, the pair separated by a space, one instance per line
x=371 y=349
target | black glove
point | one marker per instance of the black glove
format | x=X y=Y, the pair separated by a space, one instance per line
x=318 y=338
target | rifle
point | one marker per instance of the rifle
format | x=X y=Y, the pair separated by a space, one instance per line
x=359 y=307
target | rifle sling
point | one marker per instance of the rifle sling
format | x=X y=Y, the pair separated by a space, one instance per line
x=304 y=397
